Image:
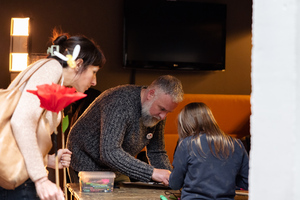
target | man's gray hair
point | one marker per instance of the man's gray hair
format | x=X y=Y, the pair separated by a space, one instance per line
x=170 y=85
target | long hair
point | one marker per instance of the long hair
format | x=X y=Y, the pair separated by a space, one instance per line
x=196 y=119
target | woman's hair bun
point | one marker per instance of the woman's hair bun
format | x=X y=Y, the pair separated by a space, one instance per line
x=60 y=39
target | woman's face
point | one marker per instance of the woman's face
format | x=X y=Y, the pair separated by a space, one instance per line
x=86 y=79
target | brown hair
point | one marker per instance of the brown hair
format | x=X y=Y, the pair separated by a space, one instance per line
x=196 y=119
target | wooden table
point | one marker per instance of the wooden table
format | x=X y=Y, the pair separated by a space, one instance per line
x=126 y=192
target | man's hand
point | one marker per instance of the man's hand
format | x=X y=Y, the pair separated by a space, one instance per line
x=161 y=175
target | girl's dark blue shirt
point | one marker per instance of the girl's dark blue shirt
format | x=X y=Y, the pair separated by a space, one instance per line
x=207 y=177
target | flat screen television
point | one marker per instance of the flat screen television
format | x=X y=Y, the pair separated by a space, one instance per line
x=174 y=35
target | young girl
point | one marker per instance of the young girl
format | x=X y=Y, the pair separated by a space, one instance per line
x=208 y=164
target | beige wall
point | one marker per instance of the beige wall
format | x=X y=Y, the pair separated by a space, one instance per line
x=102 y=21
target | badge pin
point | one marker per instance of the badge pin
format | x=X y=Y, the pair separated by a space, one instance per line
x=149 y=136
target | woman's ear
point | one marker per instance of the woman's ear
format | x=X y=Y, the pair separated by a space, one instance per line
x=78 y=62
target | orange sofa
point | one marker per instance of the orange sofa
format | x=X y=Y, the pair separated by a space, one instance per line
x=232 y=113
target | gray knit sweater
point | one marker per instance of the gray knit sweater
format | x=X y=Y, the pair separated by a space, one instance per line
x=109 y=134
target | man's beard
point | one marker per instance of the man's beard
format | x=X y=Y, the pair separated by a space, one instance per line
x=147 y=119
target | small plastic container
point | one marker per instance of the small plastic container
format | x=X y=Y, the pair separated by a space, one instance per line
x=92 y=181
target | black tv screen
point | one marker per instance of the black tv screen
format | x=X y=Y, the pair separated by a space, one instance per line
x=174 y=35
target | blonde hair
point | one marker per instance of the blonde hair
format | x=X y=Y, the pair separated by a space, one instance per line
x=196 y=119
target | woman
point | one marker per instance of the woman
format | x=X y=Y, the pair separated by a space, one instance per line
x=208 y=164
x=25 y=120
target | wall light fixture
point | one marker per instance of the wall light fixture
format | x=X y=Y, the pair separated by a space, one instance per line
x=19 y=33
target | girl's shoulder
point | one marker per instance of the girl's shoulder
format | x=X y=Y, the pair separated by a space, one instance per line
x=186 y=141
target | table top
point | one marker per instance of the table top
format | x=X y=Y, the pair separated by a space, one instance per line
x=129 y=192
x=124 y=192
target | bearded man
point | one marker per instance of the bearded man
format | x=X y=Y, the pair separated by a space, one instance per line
x=119 y=124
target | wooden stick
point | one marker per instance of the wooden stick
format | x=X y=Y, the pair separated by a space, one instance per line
x=64 y=170
x=56 y=171
x=54 y=117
